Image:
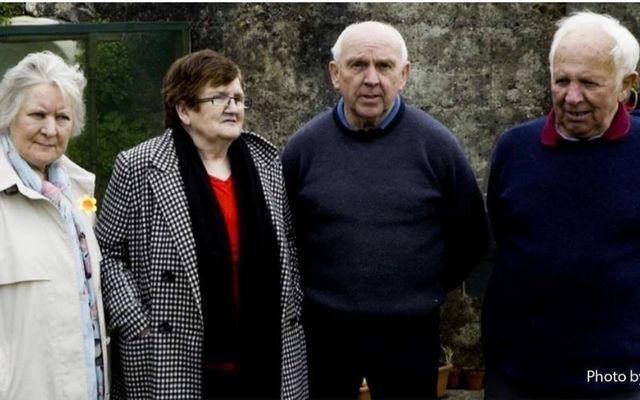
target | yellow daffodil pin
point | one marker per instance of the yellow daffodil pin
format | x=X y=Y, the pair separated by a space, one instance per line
x=88 y=204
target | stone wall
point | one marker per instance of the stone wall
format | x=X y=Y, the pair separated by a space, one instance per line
x=477 y=67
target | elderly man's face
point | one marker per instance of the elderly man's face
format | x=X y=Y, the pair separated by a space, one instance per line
x=369 y=75
x=583 y=84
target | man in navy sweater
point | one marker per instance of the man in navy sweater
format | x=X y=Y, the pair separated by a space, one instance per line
x=389 y=218
x=561 y=316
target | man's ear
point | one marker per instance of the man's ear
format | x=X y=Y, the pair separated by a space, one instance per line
x=405 y=74
x=334 y=71
x=628 y=83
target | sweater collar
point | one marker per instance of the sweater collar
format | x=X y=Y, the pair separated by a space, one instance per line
x=618 y=129
x=387 y=124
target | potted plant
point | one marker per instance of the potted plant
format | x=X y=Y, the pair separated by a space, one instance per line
x=364 y=391
x=444 y=369
x=474 y=378
x=453 y=379
x=460 y=332
x=472 y=362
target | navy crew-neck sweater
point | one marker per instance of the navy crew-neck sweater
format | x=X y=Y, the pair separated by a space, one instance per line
x=386 y=220
x=564 y=296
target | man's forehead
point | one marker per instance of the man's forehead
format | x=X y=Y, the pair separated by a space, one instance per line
x=379 y=47
x=590 y=42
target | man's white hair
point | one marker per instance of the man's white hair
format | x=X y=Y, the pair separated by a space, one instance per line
x=336 y=50
x=626 y=51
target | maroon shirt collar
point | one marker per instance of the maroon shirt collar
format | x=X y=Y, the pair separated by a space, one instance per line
x=618 y=129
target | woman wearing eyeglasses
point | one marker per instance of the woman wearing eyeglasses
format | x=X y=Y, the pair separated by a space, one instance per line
x=199 y=269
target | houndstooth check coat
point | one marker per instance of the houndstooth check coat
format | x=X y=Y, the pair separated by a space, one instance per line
x=150 y=276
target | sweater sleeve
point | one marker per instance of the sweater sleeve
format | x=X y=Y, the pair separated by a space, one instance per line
x=291 y=169
x=502 y=152
x=465 y=223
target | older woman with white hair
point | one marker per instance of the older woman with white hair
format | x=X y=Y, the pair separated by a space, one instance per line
x=560 y=313
x=52 y=330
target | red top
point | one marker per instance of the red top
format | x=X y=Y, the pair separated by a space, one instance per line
x=226 y=197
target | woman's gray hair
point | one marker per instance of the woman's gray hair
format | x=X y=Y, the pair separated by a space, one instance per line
x=336 y=50
x=35 y=69
x=626 y=51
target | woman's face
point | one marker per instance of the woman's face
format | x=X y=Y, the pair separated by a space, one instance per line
x=42 y=128
x=215 y=122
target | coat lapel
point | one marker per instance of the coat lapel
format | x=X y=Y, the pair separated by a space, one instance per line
x=168 y=189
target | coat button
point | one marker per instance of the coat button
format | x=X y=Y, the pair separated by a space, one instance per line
x=168 y=276
x=166 y=327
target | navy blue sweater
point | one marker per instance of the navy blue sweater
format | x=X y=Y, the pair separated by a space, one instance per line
x=387 y=220
x=564 y=297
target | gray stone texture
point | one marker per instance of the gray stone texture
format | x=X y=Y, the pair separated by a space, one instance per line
x=70 y=12
x=477 y=67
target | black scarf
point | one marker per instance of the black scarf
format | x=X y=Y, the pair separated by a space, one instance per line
x=252 y=338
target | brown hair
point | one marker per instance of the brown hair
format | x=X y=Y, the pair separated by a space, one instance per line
x=191 y=73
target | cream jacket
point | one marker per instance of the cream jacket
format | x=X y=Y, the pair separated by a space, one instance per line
x=41 y=354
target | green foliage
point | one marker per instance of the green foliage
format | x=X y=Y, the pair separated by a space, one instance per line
x=126 y=88
x=99 y=19
x=8 y=10
x=447 y=354
x=113 y=71
x=460 y=329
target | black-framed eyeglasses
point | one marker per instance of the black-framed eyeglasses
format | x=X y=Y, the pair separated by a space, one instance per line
x=224 y=100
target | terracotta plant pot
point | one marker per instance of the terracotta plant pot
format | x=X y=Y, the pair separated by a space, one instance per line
x=364 y=391
x=443 y=377
x=474 y=378
x=454 y=377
